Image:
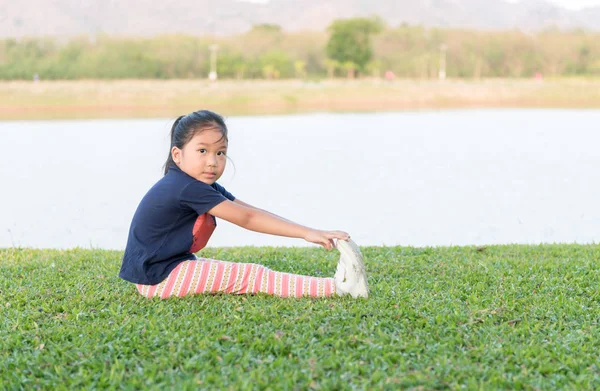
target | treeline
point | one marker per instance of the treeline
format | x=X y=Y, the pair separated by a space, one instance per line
x=268 y=52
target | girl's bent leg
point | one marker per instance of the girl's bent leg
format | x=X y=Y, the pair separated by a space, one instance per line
x=211 y=276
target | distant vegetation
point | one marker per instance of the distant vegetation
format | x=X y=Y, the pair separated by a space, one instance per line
x=350 y=48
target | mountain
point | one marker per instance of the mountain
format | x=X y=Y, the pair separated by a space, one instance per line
x=200 y=17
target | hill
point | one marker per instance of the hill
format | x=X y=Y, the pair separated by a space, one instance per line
x=224 y=17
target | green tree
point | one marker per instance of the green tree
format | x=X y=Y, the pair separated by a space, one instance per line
x=332 y=66
x=350 y=40
x=374 y=68
x=350 y=69
x=300 y=69
x=276 y=64
x=267 y=28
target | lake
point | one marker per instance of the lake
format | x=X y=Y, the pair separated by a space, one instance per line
x=428 y=178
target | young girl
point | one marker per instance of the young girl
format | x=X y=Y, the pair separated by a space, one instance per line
x=176 y=218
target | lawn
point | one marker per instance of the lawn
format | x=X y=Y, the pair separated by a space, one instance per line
x=500 y=317
x=28 y=100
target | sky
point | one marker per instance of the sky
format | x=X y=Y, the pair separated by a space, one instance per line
x=570 y=4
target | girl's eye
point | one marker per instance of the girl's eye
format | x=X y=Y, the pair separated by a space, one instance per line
x=202 y=150
x=220 y=153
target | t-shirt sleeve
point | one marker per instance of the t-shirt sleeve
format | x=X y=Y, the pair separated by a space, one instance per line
x=222 y=190
x=201 y=197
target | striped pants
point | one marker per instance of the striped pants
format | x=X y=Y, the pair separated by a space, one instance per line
x=211 y=276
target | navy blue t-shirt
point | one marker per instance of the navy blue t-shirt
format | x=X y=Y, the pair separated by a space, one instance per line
x=160 y=236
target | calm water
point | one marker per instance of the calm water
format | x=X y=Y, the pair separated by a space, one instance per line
x=420 y=179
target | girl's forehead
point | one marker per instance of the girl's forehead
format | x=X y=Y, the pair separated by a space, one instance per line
x=209 y=136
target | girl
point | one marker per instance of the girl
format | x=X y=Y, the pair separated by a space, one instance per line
x=176 y=218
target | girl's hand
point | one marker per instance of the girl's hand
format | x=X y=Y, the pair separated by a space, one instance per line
x=325 y=238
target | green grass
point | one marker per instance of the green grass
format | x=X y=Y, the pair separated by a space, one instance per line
x=505 y=317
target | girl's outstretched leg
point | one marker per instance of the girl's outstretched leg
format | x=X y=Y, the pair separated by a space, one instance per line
x=211 y=276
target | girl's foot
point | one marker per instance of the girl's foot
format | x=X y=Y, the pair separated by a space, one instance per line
x=350 y=277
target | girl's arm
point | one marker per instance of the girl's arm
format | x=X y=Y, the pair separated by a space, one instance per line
x=237 y=201
x=258 y=220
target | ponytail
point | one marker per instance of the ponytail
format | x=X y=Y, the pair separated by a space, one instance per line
x=170 y=161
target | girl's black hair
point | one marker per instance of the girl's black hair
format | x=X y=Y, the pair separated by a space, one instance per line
x=185 y=128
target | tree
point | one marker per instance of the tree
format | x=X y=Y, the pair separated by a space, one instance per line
x=266 y=28
x=331 y=65
x=275 y=64
x=374 y=68
x=350 y=69
x=300 y=68
x=350 y=40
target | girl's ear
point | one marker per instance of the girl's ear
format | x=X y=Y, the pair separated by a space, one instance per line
x=176 y=155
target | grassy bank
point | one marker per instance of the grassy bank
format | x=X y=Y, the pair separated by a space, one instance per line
x=168 y=98
x=509 y=317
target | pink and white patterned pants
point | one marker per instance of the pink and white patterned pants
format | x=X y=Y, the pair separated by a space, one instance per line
x=211 y=276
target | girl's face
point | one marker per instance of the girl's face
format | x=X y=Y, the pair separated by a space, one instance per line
x=203 y=157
